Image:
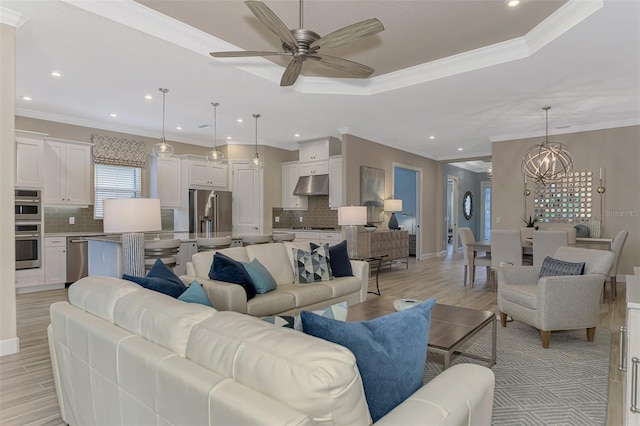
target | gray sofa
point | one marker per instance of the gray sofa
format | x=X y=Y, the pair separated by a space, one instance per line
x=289 y=298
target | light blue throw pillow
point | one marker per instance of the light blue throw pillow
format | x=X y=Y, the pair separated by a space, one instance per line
x=195 y=294
x=390 y=351
x=260 y=276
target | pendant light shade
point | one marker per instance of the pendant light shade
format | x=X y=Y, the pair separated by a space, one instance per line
x=214 y=156
x=547 y=162
x=256 y=163
x=163 y=149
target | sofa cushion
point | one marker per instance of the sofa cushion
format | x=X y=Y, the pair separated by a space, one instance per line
x=390 y=352
x=338 y=259
x=260 y=276
x=343 y=285
x=271 y=303
x=553 y=267
x=312 y=266
x=161 y=279
x=229 y=270
x=274 y=258
x=308 y=294
x=195 y=294
x=523 y=294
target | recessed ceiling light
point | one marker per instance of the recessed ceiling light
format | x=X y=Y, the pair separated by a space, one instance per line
x=513 y=3
x=148 y=97
x=240 y=120
x=459 y=149
x=55 y=74
x=489 y=171
x=113 y=114
x=297 y=135
x=432 y=137
x=26 y=98
x=178 y=128
x=228 y=138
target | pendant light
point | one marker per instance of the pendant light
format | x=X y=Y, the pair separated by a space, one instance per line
x=163 y=149
x=547 y=162
x=256 y=163
x=214 y=156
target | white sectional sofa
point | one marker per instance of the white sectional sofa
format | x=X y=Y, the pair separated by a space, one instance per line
x=289 y=298
x=125 y=355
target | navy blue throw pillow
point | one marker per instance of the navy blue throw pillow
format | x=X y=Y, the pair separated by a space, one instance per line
x=224 y=268
x=390 y=351
x=338 y=259
x=161 y=279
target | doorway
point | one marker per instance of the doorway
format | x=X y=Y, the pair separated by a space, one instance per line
x=407 y=184
x=485 y=212
x=451 y=219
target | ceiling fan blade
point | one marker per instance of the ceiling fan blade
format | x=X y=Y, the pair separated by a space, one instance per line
x=345 y=65
x=291 y=73
x=349 y=34
x=271 y=21
x=243 y=53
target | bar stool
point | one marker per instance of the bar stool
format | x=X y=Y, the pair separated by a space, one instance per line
x=216 y=243
x=280 y=237
x=248 y=240
x=165 y=250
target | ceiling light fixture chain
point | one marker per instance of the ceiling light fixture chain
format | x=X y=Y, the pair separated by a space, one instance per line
x=547 y=162
x=214 y=156
x=256 y=163
x=163 y=149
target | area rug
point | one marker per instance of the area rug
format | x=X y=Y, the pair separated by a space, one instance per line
x=566 y=384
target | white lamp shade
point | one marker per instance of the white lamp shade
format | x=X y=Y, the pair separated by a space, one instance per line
x=125 y=215
x=392 y=205
x=352 y=215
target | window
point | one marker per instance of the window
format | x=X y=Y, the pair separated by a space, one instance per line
x=115 y=182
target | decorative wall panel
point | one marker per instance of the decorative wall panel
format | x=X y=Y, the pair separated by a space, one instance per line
x=570 y=199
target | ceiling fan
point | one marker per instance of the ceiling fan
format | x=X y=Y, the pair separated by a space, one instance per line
x=305 y=45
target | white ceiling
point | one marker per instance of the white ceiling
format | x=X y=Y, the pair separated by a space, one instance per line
x=583 y=60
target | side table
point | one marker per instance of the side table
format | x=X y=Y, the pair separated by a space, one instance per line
x=378 y=267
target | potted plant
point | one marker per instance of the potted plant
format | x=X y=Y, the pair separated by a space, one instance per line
x=531 y=223
x=370 y=227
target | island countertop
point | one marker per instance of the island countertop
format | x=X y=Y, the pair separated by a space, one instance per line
x=185 y=237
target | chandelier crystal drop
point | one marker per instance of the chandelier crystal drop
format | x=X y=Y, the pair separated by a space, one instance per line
x=256 y=163
x=547 y=162
x=162 y=149
x=214 y=156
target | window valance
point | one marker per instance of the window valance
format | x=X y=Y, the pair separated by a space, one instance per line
x=116 y=151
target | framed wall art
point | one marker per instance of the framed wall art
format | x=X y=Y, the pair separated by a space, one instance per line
x=372 y=192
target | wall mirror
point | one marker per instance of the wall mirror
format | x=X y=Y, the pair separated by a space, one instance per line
x=467 y=205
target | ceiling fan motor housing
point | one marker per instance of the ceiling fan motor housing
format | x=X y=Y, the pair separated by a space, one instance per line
x=304 y=39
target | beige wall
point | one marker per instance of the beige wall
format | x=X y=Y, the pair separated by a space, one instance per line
x=358 y=152
x=616 y=150
x=8 y=334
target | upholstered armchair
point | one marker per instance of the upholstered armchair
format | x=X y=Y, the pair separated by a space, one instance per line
x=555 y=302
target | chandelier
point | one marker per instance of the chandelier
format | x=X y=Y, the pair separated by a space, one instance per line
x=162 y=149
x=547 y=162
x=214 y=156
x=256 y=163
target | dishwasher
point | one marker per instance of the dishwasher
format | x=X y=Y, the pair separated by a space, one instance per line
x=77 y=258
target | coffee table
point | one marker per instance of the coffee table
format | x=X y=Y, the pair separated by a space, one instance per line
x=451 y=326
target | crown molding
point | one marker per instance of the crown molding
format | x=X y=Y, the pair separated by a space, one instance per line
x=10 y=17
x=568 y=130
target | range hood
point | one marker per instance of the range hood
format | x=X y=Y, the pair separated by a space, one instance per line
x=312 y=185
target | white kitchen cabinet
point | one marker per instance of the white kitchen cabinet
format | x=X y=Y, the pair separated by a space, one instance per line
x=29 y=159
x=332 y=238
x=314 y=151
x=630 y=354
x=204 y=175
x=165 y=181
x=187 y=250
x=318 y=237
x=290 y=175
x=55 y=260
x=335 y=182
x=67 y=170
x=314 y=168
x=28 y=280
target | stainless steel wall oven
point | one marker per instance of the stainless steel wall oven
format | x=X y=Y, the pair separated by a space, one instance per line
x=28 y=205
x=28 y=245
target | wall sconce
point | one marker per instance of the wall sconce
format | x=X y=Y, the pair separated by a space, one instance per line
x=601 y=188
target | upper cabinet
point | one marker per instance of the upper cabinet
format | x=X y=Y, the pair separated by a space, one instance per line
x=314 y=151
x=29 y=159
x=67 y=172
x=204 y=175
x=335 y=182
x=314 y=156
x=290 y=175
x=165 y=181
x=314 y=168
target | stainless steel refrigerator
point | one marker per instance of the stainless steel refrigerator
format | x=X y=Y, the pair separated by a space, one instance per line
x=209 y=211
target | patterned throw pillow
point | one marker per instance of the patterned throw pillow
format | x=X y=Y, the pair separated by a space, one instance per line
x=553 y=267
x=312 y=266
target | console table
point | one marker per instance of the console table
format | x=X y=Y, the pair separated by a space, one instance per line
x=393 y=244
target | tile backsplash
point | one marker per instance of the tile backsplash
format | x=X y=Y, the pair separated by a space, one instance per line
x=56 y=220
x=318 y=214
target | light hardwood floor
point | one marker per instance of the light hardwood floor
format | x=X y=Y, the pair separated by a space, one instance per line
x=27 y=393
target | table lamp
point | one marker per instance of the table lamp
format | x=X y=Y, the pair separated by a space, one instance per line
x=393 y=206
x=132 y=217
x=351 y=217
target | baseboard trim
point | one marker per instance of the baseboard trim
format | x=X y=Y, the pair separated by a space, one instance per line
x=9 y=346
x=33 y=289
x=428 y=256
